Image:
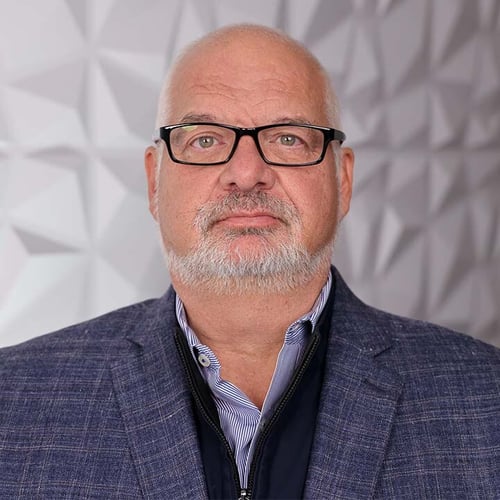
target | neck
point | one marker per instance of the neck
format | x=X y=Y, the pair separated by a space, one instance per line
x=246 y=321
x=246 y=330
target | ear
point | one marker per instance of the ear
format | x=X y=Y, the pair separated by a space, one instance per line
x=150 y=165
x=345 y=173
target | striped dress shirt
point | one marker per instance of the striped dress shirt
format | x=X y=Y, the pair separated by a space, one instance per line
x=240 y=419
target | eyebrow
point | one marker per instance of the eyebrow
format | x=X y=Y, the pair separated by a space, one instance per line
x=194 y=118
x=297 y=120
x=204 y=117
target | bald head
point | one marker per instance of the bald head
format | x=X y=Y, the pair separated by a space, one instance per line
x=247 y=48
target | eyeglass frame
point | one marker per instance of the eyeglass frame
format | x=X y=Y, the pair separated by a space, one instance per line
x=329 y=135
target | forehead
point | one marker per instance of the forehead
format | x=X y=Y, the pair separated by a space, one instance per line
x=248 y=82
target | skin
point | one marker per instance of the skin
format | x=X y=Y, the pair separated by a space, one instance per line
x=247 y=80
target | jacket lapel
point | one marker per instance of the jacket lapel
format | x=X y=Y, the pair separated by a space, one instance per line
x=154 y=400
x=357 y=408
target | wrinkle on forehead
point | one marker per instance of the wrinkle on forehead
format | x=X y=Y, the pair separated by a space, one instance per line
x=250 y=105
x=267 y=86
x=246 y=90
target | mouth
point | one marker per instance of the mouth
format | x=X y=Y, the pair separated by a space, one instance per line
x=249 y=213
x=249 y=220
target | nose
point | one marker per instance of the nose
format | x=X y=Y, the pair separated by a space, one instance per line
x=247 y=171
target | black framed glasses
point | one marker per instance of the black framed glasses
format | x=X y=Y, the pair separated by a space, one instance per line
x=283 y=144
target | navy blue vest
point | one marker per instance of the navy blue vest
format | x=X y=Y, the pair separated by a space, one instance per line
x=281 y=458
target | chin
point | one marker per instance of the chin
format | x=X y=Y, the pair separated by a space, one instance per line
x=248 y=266
x=250 y=248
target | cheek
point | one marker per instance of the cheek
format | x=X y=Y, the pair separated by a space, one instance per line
x=180 y=197
x=322 y=211
x=319 y=203
x=176 y=193
x=172 y=210
x=317 y=192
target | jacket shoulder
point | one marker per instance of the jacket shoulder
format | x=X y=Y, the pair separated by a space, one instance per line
x=405 y=339
x=423 y=342
x=87 y=342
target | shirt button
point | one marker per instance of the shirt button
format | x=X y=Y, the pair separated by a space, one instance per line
x=203 y=360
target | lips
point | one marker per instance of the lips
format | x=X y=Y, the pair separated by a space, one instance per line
x=246 y=219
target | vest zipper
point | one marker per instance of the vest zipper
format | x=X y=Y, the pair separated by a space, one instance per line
x=283 y=401
x=243 y=493
x=246 y=493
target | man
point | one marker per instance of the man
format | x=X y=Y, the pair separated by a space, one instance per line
x=259 y=375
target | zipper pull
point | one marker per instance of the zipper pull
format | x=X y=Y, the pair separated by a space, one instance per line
x=244 y=495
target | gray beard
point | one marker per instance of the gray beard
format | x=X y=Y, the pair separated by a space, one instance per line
x=275 y=268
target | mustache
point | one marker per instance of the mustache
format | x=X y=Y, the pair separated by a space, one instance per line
x=214 y=211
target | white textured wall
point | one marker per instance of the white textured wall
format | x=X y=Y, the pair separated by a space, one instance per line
x=420 y=86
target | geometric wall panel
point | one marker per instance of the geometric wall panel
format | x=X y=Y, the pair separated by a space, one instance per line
x=419 y=84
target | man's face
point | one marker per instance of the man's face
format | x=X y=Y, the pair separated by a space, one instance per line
x=245 y=214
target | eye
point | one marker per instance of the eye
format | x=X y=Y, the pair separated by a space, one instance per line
x=288 y=140
x=204 y=142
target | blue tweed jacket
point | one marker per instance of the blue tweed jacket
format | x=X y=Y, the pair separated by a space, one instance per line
x=102 y=410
